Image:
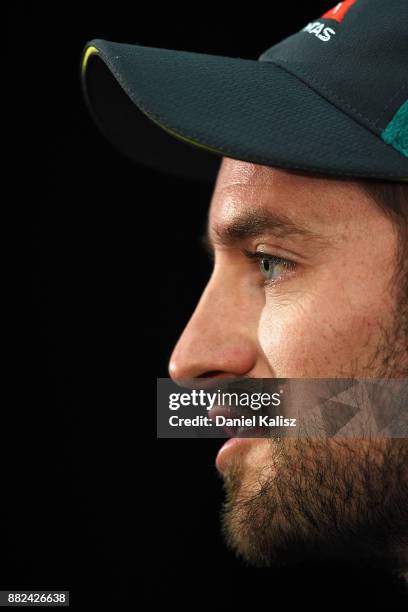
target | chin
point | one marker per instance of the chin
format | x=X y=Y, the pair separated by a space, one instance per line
x=292 y=502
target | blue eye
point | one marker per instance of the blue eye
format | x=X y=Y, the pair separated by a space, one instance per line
x=271 y=267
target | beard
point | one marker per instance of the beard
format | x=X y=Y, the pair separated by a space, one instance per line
x=319 y=501
x=336 y=501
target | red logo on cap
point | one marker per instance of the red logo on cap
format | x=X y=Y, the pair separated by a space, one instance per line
x=338 y=11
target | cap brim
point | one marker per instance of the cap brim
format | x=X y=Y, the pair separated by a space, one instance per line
x=181 y=112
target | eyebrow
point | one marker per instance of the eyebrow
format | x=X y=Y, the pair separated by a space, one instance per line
x=255 y=223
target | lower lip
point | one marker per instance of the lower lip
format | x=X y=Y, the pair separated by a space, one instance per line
x=231 y=448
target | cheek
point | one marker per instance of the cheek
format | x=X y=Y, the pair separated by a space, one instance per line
x=310 y=337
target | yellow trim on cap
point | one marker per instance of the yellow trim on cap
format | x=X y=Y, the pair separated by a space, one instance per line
x=179 y=136
x=90 y=51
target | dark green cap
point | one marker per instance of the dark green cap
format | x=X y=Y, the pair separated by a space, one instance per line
x=331 y=98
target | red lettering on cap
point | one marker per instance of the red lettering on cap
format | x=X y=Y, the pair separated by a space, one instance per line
x=338 y=11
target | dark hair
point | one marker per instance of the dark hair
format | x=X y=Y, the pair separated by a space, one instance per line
x=392 y=198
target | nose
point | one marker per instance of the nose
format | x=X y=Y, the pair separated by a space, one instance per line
x=219 y=339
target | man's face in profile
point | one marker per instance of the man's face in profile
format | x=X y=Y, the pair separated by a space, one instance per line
x=304 y=285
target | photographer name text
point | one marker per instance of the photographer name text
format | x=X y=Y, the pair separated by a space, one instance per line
x=222 y=421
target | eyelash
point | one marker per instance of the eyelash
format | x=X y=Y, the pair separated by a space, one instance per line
x=256 y=257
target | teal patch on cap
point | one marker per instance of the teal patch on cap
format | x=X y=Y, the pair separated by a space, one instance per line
x=396 y=132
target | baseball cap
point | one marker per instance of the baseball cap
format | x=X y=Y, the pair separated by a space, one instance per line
x=332 y=98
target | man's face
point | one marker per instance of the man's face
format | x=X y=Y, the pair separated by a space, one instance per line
x=302 y=287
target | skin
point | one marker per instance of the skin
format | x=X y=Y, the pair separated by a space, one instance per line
x=332 y=312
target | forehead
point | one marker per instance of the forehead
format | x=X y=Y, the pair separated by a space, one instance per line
x=313 y=200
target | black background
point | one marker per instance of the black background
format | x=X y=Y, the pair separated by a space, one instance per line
x=107 y=260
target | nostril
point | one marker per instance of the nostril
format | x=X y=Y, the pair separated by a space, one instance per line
x=211 y=374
